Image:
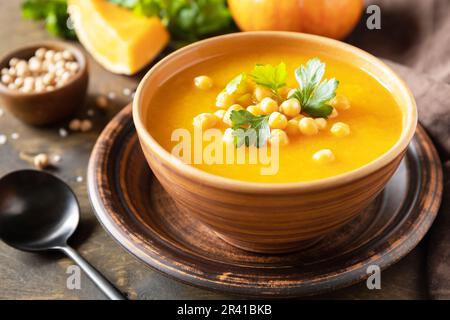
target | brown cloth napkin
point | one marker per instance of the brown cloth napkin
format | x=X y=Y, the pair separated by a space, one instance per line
x=415 y=34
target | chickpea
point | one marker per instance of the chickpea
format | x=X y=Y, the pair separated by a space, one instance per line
x=40 y=53
x=278 y=135
x=28 y=82
x=245 y=100
x=205 y=121
x=290 y=107
x=34 y=64
x=102 y=102
x=228 y=137
x=268 y=105
x=48 y=78
x=220 y=114
x=67 y=55
x=324 y=156
x=203 y=82
x=340 y=102
x=261 y=92
x=291 y=93
x=85 y=125
x=255 y=110
x=18 y=82
x=57 y=56
x=41 y=161
x=7 y=79
x=75 y=124
x=292 y=128
x=21 y=67
x=224 y=100
x=49 y=55
x=277 y=121
x=5 y=71
x=12 y=86
x=298 y=118
x=333 y=114
x=284 y=92
x=65 y=77
x=227 y=115
x=321 y=123
x=13 y=62
x=340 y=129
x=12 y=72
x=308 y=126
x=73 y=67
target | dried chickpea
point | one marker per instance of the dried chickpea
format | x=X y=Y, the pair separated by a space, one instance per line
x=7 y=79
x=13 y=62
x=205 y=121
x=340 y=129
x=203 y=82
x=340 y=102
x=321 y=123
x=324 y=156
x=308 y=126
x=277 y=120
x=75 y=124
x=290 y=107
x=224 y=100
x=86 y=125
x=280 y=136
x=40 y=53
x=67 y=55
x=268 y=105
x=49 y=55
x=255 y=110
x=261 y=92
x=41 y=161
x=292 y=127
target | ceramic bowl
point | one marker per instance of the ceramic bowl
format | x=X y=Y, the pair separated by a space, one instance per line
x=271 y=217
x=41 y=108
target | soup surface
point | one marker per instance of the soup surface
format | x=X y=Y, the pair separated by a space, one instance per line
x=374 y=117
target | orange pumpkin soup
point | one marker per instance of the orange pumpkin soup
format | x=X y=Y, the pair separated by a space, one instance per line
x=344 y=121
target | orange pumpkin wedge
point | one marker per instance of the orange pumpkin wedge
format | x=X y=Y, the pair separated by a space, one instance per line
x=121 y=41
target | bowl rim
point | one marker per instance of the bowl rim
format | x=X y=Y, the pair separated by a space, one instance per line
x=221 y=182
x=60 y=45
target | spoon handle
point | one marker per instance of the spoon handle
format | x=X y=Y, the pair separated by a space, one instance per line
x=100 y=281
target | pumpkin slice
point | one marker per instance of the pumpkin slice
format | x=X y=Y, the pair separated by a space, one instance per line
x=121 y=41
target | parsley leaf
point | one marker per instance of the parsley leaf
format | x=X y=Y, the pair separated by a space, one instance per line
x=54 y=12
x=250 y=129
x=269 y=76
x=314 y=94
x=237 y=85
x=187 y=20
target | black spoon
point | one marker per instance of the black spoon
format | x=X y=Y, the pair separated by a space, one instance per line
x=40 y=212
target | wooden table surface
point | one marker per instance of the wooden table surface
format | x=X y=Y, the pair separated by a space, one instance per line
x=43 y=276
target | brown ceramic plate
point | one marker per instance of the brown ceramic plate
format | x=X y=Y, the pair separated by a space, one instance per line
x=140 y=215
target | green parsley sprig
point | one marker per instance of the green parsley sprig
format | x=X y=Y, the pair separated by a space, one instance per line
x=249 y=129
x=269 y=76
x=314 y=94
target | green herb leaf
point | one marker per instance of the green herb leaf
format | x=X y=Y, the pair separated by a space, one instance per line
x=237 y=85
x=54 y=12
x=250 y=129
x=314 y=94
x=269 y=76
x=188 y=20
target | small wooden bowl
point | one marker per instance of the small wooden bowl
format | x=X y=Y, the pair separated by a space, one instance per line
x=271 y=217
x=41 y=108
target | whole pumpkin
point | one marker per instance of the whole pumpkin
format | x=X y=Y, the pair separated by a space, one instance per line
x=330 y=18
